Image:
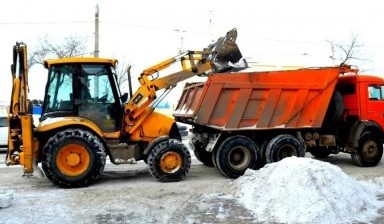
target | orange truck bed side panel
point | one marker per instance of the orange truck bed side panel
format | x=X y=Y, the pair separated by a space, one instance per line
x=259 y=100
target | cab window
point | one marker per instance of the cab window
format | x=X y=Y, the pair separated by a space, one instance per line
x=59 y=90
x=375 y=92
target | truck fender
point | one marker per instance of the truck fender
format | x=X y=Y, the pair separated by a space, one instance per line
x=356 y=131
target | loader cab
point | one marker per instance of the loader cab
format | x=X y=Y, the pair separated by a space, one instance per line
x=83 y=87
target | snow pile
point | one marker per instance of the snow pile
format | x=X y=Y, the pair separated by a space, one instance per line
x=303 y=190
x=5 y=199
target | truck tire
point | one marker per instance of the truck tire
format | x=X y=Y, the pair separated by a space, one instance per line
x=262 y=153
x=283 y=146
x=73 y=158
x=214 y=153
x=335 y=110
x=204 y=156
x=369 y=151
x=169 y=161
x=235 y=155
x=320 y=151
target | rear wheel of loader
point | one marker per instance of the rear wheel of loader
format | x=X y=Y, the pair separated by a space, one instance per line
x=235 y=155
x=169 y=161
x=283 y=146
x=73 y=158
x=369 y=151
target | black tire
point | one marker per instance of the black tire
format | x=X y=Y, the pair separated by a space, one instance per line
x=200 y=153
x=283 y=146
x=369 y=151
x=335 y=110
x=320 y=151
x=214 y=153
x=262 y=155
x=169 y=161
x=73 y=158
x=235 y=155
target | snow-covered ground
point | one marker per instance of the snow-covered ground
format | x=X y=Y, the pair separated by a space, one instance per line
x=295 y=190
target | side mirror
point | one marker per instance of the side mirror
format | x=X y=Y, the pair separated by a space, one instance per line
x=124 y=97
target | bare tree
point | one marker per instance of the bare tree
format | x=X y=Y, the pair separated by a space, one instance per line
x=345 y=53
x=70 y=47
x=121 y=73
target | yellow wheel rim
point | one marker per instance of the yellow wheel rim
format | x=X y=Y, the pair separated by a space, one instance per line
x=170 y=162
x=73 y=160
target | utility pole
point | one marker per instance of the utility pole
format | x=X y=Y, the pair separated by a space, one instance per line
x=96 y=53
x=181 y=39
x=210 y=25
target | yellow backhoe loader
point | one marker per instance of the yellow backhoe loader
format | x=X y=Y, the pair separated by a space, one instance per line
x=85 y=118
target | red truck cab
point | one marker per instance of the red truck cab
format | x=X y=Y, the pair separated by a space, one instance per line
x=363 y=98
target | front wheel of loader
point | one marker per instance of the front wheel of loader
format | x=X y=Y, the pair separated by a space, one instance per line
x=73 y=158
x=169 y=161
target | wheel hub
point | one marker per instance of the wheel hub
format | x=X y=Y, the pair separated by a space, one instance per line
x=286 y=151
x=370 y=149
x=170 y=162
x=239 y=157
x=73 y=159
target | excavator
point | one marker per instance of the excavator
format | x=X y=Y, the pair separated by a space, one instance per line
x=77 y=132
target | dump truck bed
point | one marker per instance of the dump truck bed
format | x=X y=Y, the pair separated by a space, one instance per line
x=259 y=100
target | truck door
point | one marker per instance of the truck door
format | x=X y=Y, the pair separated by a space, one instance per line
x=375 y=103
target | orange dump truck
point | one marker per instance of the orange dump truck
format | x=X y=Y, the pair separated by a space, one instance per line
x=245 y=119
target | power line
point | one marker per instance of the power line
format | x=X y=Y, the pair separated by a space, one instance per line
x=288 y=41
x=44 y=23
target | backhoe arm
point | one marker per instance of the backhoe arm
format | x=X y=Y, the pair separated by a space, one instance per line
x=223 y=55
x=20 y=134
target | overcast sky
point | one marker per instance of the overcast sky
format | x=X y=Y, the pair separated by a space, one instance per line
x=145 y=32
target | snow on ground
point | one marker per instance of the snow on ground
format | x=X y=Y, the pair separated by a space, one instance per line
x=6 y=199
x=294 y=190
x=303 y=190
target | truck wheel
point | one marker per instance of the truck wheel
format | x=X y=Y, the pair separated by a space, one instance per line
x=203 y=156
x=73 y=158
x=214 y=153
x=320 y=151
x=235 y=155
x=169 y=161
x=283 y=146
x=369 y=151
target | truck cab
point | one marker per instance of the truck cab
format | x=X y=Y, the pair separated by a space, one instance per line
x=363 y=98
x=361 y=130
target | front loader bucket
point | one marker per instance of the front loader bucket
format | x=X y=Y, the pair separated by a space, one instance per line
x=227 y=55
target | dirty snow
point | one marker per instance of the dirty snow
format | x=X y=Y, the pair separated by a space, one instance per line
x=6 y=199
x=304 y=190
x=291 y=191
